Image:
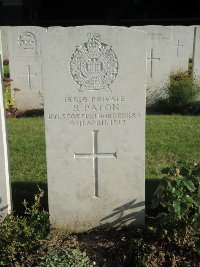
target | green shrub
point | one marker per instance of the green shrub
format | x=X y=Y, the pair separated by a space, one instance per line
x=193 y=109
x=178 y=197
x=182 y=91
x=138 y=253
x=9 y=99
x=20 y=236
x=6 y=61
x=65 y=258
x=6 y=70
x=31 y=113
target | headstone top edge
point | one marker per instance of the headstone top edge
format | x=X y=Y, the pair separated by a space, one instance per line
x=52 y=28
x=24 y=28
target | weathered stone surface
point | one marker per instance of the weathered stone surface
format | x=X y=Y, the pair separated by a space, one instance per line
x=5 y=189
x=94 y=92
x=25 y=66
x=159 y=40
x=182 y=47
x=196 y=57
x=4 y=41
x=1 y=48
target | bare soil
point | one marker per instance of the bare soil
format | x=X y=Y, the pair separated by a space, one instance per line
x=116 y=249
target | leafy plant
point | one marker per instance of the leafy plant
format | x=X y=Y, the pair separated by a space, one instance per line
x=6 y=61
x=182 y=91
x=9 y=99
x=138 y=253
x=178 y=197
x=6 y=70
x=22 y=235
x=65 y=258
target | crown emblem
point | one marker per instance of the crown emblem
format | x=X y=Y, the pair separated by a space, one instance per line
x=94 y=65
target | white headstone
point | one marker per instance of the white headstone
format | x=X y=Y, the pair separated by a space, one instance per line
x=196 y=56
x=191 y=30
x=25 y=66
x=94 y=92
x=1 y=51
x=182 y=47
x=4 y=41
x=158 y=61
x=0 y=42
x=5 y=188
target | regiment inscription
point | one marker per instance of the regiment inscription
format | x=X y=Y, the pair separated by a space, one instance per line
x=95 y=111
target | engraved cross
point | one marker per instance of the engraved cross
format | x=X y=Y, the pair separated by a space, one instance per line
x=28 y=75
x=95 y=156
x=179 y=46
x=151 y=58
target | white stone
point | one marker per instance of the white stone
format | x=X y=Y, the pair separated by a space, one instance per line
x=4 y=41
x=94 y=92
x=1 y=50
x=196 y=56
x=25 y=66
x=158 y=61
x=5 y=188
x=191 y=30
x=182 y=47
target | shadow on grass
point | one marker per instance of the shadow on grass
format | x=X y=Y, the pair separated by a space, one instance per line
x=31 y=113
x=23 y=190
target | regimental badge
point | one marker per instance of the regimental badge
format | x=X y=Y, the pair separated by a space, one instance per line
x=94 y=65
x=27 y=41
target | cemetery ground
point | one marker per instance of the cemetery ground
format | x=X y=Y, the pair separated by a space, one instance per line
x=168 y=139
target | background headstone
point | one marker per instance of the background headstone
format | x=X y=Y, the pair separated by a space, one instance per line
x=196 y=55
x=158 y=61
x=94 y=92
x=5 y=188
x=0 y=43
x=1 y=52
x=191 y=30
x=4 y=41
x=25 y=66
x=182 y=47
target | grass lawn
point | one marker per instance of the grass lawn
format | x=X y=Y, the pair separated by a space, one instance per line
x=26 y=139
x=168 y=139
x=171 y=138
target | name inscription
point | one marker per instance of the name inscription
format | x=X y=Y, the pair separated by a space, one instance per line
x=95 y=111
x=157 y=36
